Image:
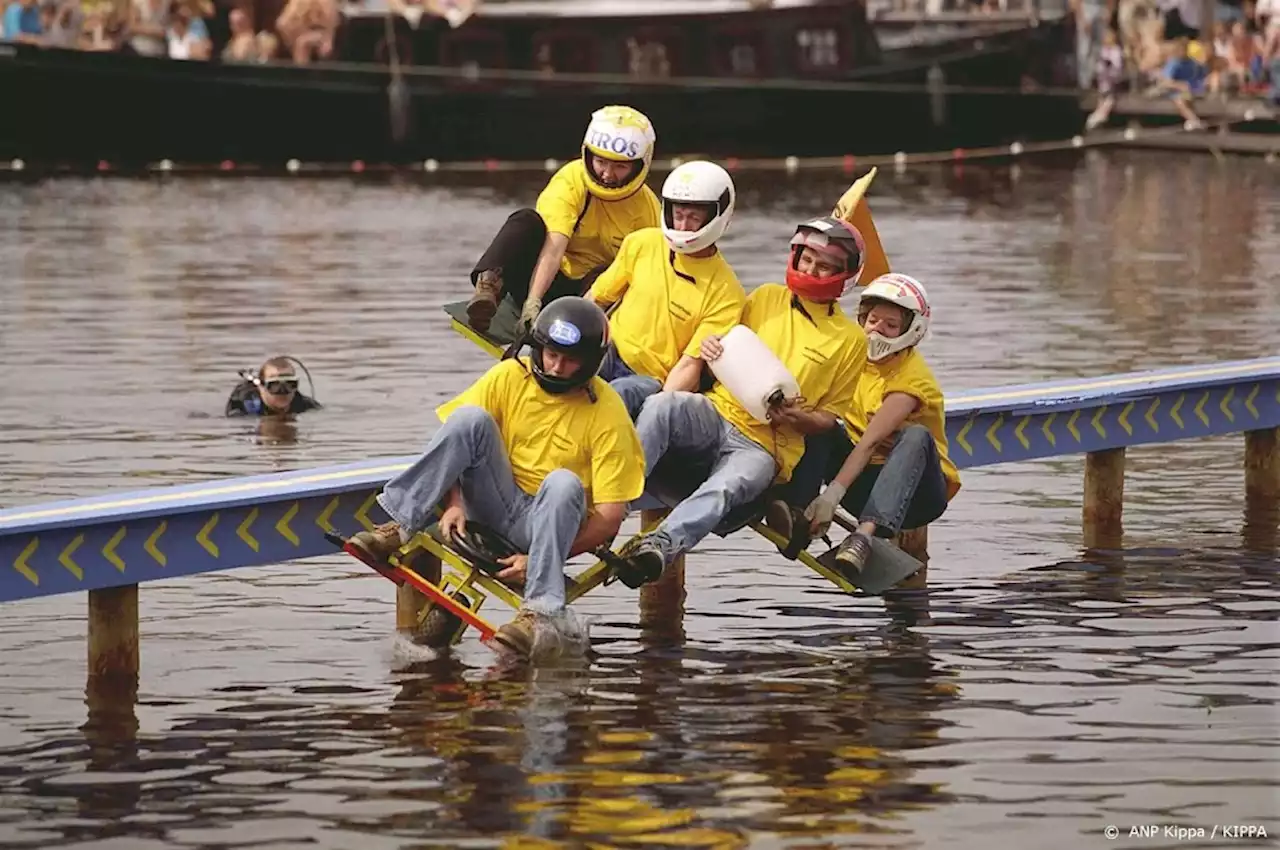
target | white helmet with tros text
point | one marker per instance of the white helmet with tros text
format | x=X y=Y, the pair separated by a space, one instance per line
x=905 y=292
x=698 y=183
x=619 y=134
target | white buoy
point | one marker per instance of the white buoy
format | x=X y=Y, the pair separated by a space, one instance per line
x=17 y=164
x=431 y=165
x=1130 y=134
x=791 y=163
x=1015 y=148
x=900 y=158
x=1077 y=141
x=550 y=165
x=676 y=162
x=1249 y=115
x=292 y=166
x=166 y=165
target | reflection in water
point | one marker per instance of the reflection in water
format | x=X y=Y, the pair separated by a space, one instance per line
x=1015 y=698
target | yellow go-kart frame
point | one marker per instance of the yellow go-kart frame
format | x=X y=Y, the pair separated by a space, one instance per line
x=464 y=584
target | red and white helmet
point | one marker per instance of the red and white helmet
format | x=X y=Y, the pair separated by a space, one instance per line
x=833 y=237
x=905 y=292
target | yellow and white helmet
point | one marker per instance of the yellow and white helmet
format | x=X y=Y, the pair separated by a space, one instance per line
x=620 y=134
x=906 y=292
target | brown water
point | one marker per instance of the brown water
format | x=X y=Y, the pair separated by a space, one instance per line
x=1031 y=698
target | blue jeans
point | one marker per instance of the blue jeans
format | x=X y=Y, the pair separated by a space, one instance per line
x=633 y=388
x=907 y=491
x=468 y=449
x=740 y=472
x=1090 y=25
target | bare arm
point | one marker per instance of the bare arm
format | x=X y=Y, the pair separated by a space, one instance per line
x=893 y=412
x=684 y=377
x=544 y=271
x=601 y=526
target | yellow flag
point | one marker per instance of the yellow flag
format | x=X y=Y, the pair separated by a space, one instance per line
x=852 y=207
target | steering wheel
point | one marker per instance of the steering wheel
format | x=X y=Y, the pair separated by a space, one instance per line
x=482 y=546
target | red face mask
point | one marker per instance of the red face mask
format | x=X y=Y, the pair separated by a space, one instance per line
x=835 y=239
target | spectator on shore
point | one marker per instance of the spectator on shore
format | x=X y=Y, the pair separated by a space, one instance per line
x=1110 y=78
x=187 y=36
x=307 y=28
x=244 y=45
x=148 y=27
x=1091 y=17
x=1183 y=78
x=65 y=23
x=22 y=22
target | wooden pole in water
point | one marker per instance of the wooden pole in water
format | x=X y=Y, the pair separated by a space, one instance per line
x=663 y=600
x=1103 y=499
x=1262 y=467
x=113 y=633
x=915 y=542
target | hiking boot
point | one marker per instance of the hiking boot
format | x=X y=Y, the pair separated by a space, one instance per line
x=379 y=544
x=517 y=636
x=854 y=553
x=789 y=523
x=484 y=303
x=641 y=563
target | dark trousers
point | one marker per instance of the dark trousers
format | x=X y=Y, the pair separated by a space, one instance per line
x=907 y=491
x=514 y=252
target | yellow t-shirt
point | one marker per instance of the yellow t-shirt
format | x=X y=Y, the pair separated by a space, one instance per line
x=824 y=351
x=543 y=432
x=905 y=372
x=664 y=315
x=595 y=228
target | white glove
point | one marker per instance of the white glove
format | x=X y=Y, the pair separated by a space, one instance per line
x=822 y=510
x=532 y=307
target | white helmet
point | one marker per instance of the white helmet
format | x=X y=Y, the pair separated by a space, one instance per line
x=906 y=292
x=698 y=182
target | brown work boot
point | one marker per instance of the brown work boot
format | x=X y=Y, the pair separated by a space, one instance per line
x=790 y=524
x=517 y=636
x=379 y=544
x=484 y=303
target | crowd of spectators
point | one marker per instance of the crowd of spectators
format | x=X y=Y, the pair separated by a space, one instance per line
x=1164 y=48
x=230 y=30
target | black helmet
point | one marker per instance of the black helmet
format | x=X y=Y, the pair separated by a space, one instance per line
x=573 y=326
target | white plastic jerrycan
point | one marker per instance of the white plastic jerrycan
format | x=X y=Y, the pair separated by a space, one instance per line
x=751 y=372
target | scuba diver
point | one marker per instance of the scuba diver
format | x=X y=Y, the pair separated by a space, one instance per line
x=272 y=390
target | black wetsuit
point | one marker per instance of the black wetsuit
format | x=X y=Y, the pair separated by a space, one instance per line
x=246 y=400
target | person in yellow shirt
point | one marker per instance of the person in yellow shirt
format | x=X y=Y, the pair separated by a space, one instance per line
x=803 y=325
x=888 y=465
x=539 y=449
x=574 y=232
x=673 y=288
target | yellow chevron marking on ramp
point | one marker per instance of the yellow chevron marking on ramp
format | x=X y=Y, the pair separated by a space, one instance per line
x=1017 y=432
x=1123 y=419
x=1071 y=425
x=991 y=434
x=283 y=525
x=362 y=512
x=1096 y=419
x=1048 y=434
x=327 y=513
x=202 y=536
x=150 y=546
x=1225 y=404
x=1200 y=408
x=65 y=557
x=1173 y=414
x=109 y=551
x=21 y=563
x=242 y=531
x=1248 y=401
x=1150 y=415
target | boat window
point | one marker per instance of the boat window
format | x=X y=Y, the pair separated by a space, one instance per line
x=565 y=54
x=817 y=48
x=739 y=53
x=473 y=51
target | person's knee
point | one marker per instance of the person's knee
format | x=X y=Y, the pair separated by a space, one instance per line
x=527 y=219
x=469 y=419
x=562 y=487
x=660 y=406
x=916 y=436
